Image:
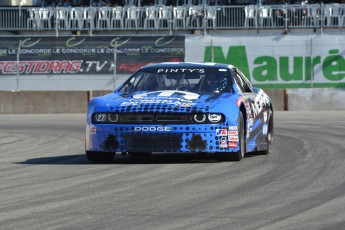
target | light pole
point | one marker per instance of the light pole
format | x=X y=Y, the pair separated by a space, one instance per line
x=115 y=60
x=18 y=52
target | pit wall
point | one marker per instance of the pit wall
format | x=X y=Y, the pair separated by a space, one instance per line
x=40 y=102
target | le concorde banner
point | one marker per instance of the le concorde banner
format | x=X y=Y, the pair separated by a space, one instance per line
x=86 y=55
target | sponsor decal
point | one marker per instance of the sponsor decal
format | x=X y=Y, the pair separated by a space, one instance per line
x=187 y=105
x=251 y=122
x=101 y=117
x=233 y=133
x=233 y=128
x=161 y=41
x=130 y=103
x=263 y=69
x=168 y=94
x=260 y=101
x=40 y=67
x=232 y=144
x=153 y=129
x=223 y=143
x=90 y=143
x=239 y=101
x=170 y=102
x=116 y=42
x=165 y=97
x=184 y=70
x=221 y=132
x=92 y=130
x=71 y=42
x=232 y=138
x=27 y=42
x=130 y=67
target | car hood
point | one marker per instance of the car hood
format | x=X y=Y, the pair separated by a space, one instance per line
x=162 y=100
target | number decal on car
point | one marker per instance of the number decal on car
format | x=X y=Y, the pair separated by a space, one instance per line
x=100 y=117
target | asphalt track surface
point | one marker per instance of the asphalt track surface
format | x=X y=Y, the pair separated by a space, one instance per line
x=46 y=181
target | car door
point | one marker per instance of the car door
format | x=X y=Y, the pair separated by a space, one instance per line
x=248 y=96
x=256 y=106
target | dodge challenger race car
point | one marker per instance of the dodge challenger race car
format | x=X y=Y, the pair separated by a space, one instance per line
x=181 y=108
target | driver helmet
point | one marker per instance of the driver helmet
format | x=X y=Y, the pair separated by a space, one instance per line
x=212 y=81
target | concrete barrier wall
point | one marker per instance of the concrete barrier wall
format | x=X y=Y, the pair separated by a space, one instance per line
x=277 y=98
x=23 y=102
x=40 y=102
x=316 y=99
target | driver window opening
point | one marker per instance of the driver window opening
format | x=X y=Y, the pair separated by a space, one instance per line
x=241 y=83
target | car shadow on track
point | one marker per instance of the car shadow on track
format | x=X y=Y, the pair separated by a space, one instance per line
x=78 y=159
x=57 y=160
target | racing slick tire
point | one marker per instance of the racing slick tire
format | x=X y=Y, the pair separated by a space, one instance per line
x=236 y=156
x=100 y=157
x=269 y=135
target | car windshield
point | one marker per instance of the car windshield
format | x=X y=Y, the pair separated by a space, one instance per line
x=209 y=82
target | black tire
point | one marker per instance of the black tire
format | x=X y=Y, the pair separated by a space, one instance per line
x=269 y=135
x=139 y=154
x=236 y=156
x=100 y=157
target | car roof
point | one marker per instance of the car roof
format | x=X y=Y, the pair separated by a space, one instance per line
x=187 y=65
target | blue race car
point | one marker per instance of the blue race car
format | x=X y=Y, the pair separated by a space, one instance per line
x=181 y=108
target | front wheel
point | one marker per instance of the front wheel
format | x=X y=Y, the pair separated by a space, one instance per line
x=236 y=156
x=100 y=157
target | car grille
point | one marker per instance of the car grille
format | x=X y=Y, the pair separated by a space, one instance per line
x=154 y=118
x=154 y=143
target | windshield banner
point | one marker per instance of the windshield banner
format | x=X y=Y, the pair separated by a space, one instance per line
x=86 y=55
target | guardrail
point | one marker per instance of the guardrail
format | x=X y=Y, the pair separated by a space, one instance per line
x=202 y=17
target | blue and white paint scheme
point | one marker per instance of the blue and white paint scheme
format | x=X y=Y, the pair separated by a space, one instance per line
x=181 y=108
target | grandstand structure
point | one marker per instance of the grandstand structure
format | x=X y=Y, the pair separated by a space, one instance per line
x=67 y=55
x=188 y=18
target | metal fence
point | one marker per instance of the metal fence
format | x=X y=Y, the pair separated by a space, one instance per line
x=203 y=17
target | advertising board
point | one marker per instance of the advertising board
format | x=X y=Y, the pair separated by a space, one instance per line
x=86 y=55
x=87 y=63
x=277 y=61
x=80 y=62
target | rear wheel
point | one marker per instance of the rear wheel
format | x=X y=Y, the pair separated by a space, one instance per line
x=100 y=157
x=236 y=156
x=269 y=135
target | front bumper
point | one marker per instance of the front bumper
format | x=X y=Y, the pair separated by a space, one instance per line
x=162 y=138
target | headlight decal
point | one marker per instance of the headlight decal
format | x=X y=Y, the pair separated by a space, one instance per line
x=113 y=117
x=199 y=118
x=214 y=117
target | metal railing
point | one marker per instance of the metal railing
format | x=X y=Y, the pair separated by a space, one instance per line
x=202 y=17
